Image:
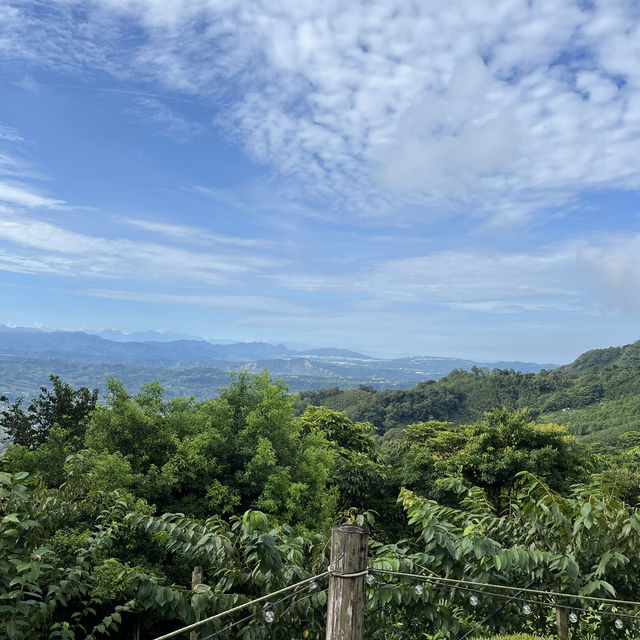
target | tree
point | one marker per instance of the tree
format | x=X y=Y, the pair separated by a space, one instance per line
x=240 y=451
x=136 y=427
x=42 y=595
x=582 y=543
x=357 y=474
x=70 y=409
x=487 y=454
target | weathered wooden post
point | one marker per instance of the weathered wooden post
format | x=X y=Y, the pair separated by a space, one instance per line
x=196 y=579
x=345 y=608
x=562 y=622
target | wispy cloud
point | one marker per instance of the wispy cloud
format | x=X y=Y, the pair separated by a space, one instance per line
x=488 y=282
x=163 y=120
x=10 y=134
x=11 y=166
x=445 y=277
x=195 y=235
x=614 y=264
x=32 y=265
x=65 y=252
x=17 y=175
x=28 y=84
x=27 y=196
x=212 y=301
x=513 y=307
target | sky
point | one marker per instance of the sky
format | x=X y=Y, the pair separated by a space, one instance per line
x=450 y=179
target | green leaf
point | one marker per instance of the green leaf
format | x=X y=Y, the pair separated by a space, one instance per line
x=11 y=517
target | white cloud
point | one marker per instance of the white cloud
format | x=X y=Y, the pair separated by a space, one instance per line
x=32 y=265
x=28 y=84
x=195 y=235
x=163 y=120
x=63 y=252
x=445 y=277
x=26 y=196
x=482 y=107
x=9 y=134
x=215 y=301
x=616 y=267
x=502 y=306
x=11 y=166
x=447 y=141
x=15 y=170
x=486 y=281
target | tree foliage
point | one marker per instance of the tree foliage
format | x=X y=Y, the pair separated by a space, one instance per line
x=487 y=454
x=601 y=403
x=103 y=519
x=581 y=543
x=63 y=406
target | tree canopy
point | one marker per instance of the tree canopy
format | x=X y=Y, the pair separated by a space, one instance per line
x=105 y=509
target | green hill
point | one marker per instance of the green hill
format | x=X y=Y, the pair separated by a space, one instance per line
x=597 y=397
x=626 y=357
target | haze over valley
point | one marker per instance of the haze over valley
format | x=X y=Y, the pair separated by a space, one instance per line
x=188 y=366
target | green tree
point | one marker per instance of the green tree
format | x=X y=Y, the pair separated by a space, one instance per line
x=70 y=409
x=487 y=454
x=42 y=596
x=357 y=474
x=240 y=451
x=583 y=543
x=44 y=462
x=135 y=427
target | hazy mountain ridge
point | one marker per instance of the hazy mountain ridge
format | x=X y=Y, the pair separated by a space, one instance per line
x=198 y=367
x=146 y=336
x=83 y=347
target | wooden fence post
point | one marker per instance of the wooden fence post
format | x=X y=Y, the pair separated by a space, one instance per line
x=345 y=607
x=562 y=623
x=196 y=579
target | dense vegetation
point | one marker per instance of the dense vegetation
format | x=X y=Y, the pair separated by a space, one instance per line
x=107 y=508
x=597 y=396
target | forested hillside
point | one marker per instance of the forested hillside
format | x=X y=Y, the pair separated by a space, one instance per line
x=597 y=396
x=626 y=357
x=107 y=508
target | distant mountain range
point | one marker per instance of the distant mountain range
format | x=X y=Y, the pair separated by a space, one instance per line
x=189 y=365
x=171 y=336
x=147 y=336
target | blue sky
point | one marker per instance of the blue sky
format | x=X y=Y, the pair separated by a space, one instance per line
x=452 y=178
